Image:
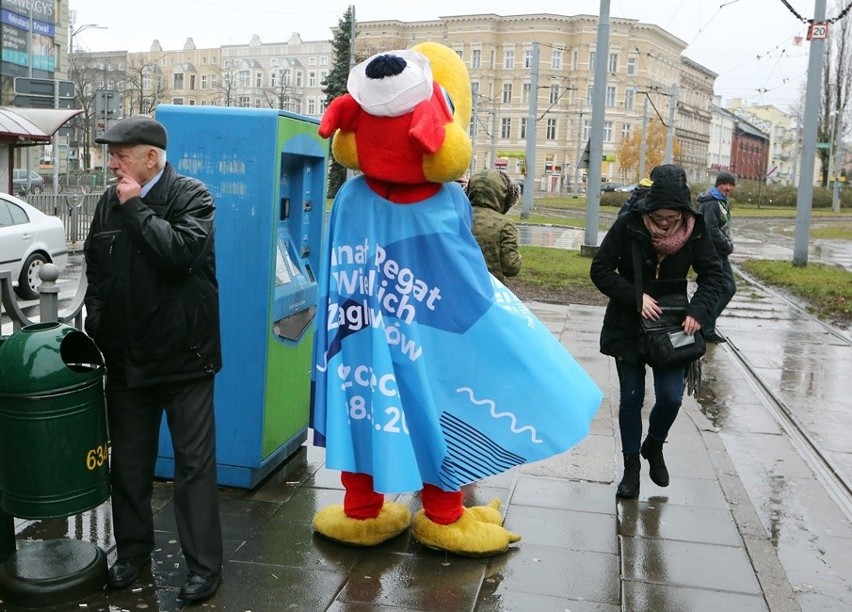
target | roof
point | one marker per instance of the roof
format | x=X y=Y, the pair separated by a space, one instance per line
x=32 y=124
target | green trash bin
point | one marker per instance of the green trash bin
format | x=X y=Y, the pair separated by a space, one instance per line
x=54 y=457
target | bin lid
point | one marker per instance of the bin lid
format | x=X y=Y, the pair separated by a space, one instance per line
x=47 y=357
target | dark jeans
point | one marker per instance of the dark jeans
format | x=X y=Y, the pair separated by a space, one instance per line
x=729 y=288
x=669 y=385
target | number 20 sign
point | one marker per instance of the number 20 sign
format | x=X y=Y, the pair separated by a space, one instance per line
x=818 y=31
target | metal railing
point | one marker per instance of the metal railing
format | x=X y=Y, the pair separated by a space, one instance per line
x=75 y=210
x=48 y=300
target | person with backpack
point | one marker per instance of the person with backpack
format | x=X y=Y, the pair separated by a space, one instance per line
x=713 y=204
x=636 y=196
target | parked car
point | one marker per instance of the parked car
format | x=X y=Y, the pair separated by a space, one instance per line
x=28 y=240
x=608 y=187
x=21 y=184
x=627 y=188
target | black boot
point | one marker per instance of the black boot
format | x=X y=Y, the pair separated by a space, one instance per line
x=628 y=488
x=652 y=450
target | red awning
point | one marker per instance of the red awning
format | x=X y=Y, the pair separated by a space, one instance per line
x=32 y=124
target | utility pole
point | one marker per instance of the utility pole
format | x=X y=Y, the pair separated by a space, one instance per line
x=576 y=189
x=529 y=177
x=643 y=146
x=838 y=158
x=593 y=185
x=809 y=134
x=671 y=130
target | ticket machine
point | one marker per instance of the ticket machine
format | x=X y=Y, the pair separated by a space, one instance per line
x=266 y=170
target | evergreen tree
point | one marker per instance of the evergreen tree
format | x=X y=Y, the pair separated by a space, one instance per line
x=335 y=85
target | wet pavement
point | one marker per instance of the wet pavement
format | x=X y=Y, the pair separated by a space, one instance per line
x=757 y=515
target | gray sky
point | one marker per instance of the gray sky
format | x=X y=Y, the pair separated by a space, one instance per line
x=749 y=43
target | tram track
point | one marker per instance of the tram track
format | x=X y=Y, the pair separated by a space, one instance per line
x=825 y=469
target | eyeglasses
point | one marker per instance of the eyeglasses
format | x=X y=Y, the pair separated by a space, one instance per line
x=665 y=219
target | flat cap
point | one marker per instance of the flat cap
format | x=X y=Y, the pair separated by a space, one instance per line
x=135 y=130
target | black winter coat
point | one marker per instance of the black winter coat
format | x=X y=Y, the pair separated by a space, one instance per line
x=152 y=301
x=612 y=273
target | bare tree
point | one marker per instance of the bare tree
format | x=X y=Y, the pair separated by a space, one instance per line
x=85 y=77
x=836 y=90
x=144 y=86
x=282 y=95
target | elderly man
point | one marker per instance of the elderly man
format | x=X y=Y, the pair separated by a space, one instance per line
x=152 y=309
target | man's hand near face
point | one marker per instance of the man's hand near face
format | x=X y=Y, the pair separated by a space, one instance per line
x=127 y=187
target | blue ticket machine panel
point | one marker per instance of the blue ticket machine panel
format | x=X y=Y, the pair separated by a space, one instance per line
x=266 y=170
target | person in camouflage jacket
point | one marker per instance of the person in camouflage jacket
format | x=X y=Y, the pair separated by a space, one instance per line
x=492 y=193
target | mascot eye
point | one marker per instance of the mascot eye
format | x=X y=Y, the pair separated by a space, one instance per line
x=449 y=101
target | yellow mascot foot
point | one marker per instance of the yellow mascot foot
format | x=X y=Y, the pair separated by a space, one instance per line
x=332 y=523
x=478 y=533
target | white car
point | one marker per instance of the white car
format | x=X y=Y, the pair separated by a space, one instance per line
x=28 y=240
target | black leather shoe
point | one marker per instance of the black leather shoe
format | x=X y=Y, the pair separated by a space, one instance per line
x=199 y=588
x=714 y=337
x=124 y=572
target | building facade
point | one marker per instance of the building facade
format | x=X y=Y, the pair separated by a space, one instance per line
x=643 y=61
x=784 y=138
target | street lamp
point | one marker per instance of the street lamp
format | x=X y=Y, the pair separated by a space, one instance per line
x=74 y=33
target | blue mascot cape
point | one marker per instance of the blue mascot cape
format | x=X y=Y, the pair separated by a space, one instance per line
x=426 y=368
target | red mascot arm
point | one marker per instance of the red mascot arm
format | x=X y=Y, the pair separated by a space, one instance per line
x=342 y=113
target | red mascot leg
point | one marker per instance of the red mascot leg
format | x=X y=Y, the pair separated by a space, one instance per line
x=441 y=507
x=360 y=501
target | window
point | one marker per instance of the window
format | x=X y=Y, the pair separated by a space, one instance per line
x=589 y=94
x=312 y=79
x=192 y=81
x=610 y=96
x=203 y=81
x=629 y=98
x=556 y=59
x=528 y=58
x=474 y=92
x=509 y=59
x=625 y=131
x=476 y=58
x=507 y=93
x=324 y=61
x=214 y=81
x=273 y=61
x=178 y=81
x=613 y=62
x=244 y=80
x=554 y=93
x=631 y=66
x=243 y=101
x=525 y=93
x=591 y=61
x=607 y=135
x=258 y=79
x=299 y=78
x=312 y=61
x=177 y=100
x=586 y=129
x=575 y=56
x=312 y=106
x=522 y=133
x=505 y=128
x=550 y=132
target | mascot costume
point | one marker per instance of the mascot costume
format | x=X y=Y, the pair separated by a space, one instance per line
x=429 y=374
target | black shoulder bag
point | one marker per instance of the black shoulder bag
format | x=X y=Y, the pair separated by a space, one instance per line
x=663 y=343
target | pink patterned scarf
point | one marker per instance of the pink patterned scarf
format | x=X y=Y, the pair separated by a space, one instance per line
x=671 y=239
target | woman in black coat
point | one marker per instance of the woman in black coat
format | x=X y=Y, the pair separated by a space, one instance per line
x=672 y=239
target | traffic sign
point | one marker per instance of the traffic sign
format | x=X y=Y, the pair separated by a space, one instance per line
x=44 y=102
x=44 y=87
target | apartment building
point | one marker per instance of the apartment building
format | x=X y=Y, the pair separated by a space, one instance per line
x=783 y=138
x=643 y=61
